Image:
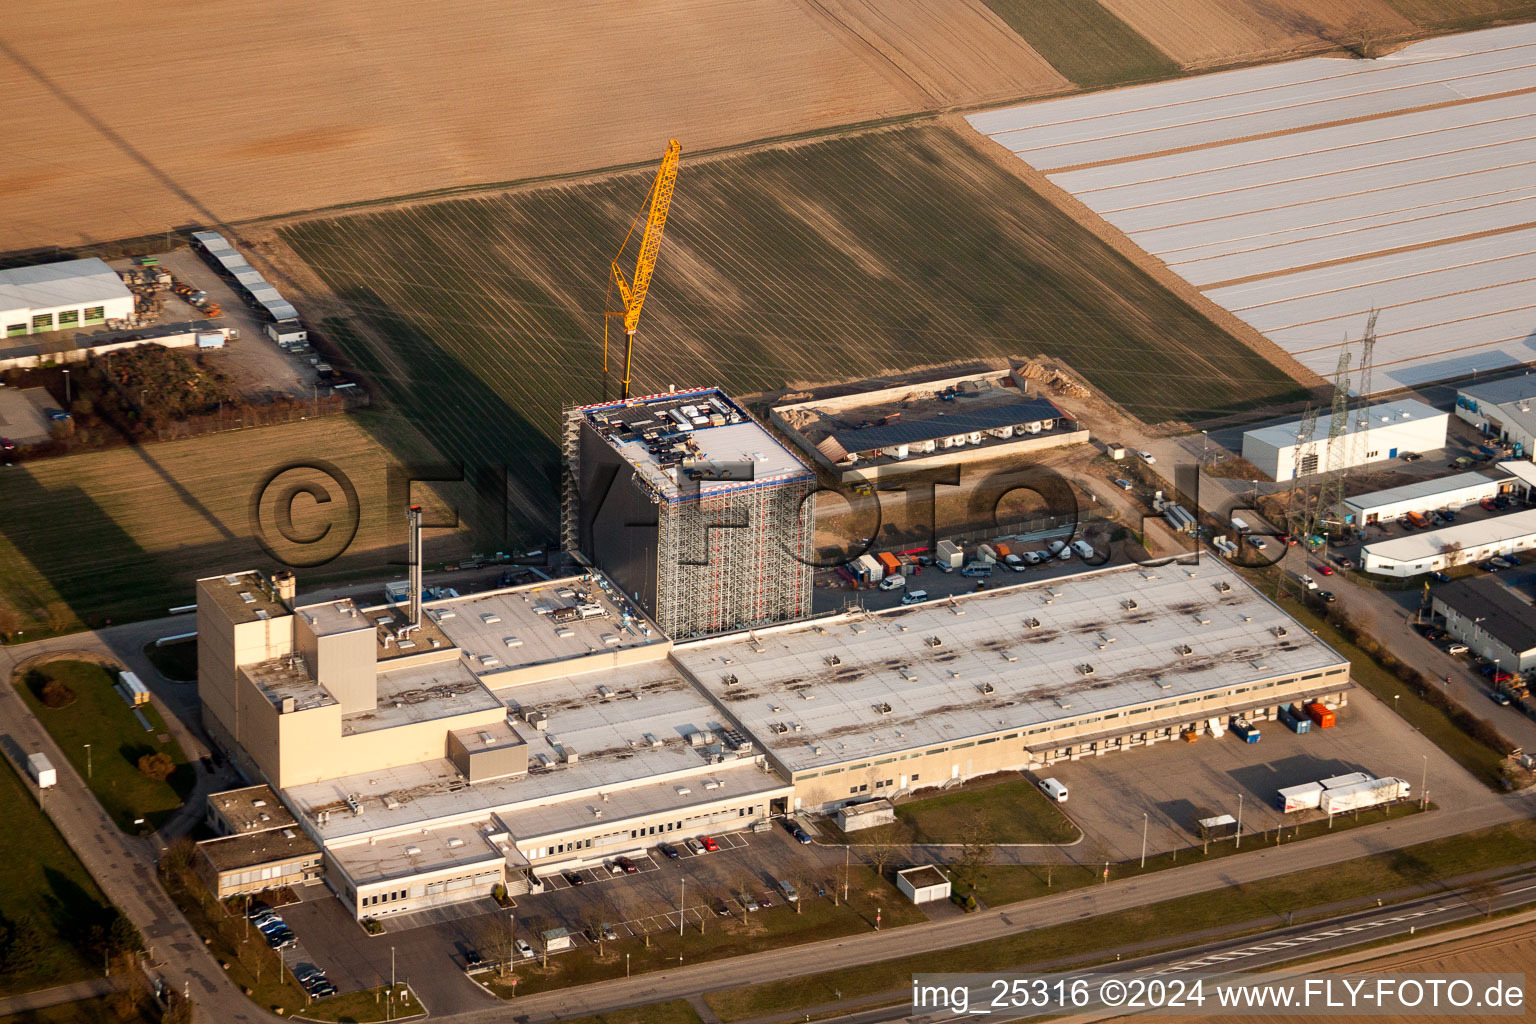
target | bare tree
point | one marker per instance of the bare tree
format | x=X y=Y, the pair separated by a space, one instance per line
x=1364 y=36
x=880 y=847
x=1485 y=892
x=978 y=845
x=1453 y=554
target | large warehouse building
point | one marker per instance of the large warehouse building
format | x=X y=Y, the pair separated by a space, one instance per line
x=881 y=704
x=61 y=297
x=693 y=508
x=1448 y=492
x=1387 y=431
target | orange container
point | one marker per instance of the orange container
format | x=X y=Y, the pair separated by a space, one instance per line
x=1003 y=550
x=892 y=566
x=1320 y=715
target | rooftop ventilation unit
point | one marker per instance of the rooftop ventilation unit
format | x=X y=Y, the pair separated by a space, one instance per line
x=834 y=660
x=1280 y=631
x=247 y=597
x=988 y=688
x=731 y=680
x=1032 y=623
x=652 y=740
x=1010 y=657
x=712 y=784
x=1201 y=620
x=1130 y=604
x=413 y=851
x=604 y=691
x=455 y=842
x=1223 y=587
x=934 y=641
x=883 y=708
x=1085 y=668
x=1184 y=650
x=1106 y=638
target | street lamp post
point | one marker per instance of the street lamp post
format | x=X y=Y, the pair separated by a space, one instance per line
x=1144 y=822
x=847 y=850
x=682 y=902
x=68 y=393
x=88 y=772
x=1239 y=844
x=1424 y=786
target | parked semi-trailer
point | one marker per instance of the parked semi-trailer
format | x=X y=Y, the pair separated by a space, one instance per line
x=1300 y=798
x=1360 y=795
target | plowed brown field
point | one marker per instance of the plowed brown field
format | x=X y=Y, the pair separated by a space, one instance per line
x=1200 y=33
x=126 y=119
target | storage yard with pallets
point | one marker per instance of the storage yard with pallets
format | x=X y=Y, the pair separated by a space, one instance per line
x=1302 y=196
x=826 y=260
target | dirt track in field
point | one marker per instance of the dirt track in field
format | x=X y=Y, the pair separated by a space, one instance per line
x=1202 y=33
x=219 y=112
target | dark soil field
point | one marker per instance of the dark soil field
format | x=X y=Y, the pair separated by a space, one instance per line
x=848 y=257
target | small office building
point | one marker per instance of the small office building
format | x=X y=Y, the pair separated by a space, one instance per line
x=1492 y=620
x=1505 y=409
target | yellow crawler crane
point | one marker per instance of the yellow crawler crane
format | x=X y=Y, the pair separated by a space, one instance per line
x=632 y=294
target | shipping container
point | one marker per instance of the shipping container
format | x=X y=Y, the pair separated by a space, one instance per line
x=869 y=568
x=1321 y=715
x=42 y=771
x=986 y=553
x=1222 y=826
x=1002 y=550
x=134 y=690
x=889 y=562
x=1245 y=730
x=1300 y=798
x=1294 y=719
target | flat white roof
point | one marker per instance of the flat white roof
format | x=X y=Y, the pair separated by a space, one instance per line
x=1427 y=544
x=1303 y=195
x=1445 y=486
x=461 y=844
x=756 y=456
x=1381 y=417
x=420 y=693
x=637 y=733
x=516 y=628
x=833 y=691
x=52 y=285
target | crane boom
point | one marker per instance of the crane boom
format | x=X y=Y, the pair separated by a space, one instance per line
x=632 y=294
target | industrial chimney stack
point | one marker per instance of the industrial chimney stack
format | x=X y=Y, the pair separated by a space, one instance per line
x=413 y=556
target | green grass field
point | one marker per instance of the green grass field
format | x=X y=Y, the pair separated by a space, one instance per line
x=49 y=889
x=1266 y=900
x=1085 y=42
x=100 y=717
x=1011 y=811
x=101 y=1010
x=151 y=520
x=847 y=257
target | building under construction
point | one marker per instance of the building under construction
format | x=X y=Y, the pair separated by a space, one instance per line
x=693 y=508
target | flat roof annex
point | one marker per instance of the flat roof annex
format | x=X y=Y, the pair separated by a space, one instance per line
x=865 y=685
x=964 y=421
x=1445 y=485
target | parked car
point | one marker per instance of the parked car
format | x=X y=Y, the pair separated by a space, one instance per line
x=1487 y=504
x=801 y=836
x=709 y=844
x=7 y=445
x=1147 y=457
x=1448 y=514
x=321 y=989
x=1325 y=569
x=1327 y=596
x=721 y=910
x=1502 y=501
x=625 y=865
x=524 y=951
x=1015 y=563
x=1410 y=456
x=749 y=903
x=694 y=846
x=1345 y=563
x=1489 y=566
x=1456 y=649
x=1499 y=697
x=257 y=908
x=572 y=877
x=1439 y=577
x=1124 y=485
x=472 y=958
x=667 y=850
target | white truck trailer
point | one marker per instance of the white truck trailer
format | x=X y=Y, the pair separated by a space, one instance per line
x=42 y=771
x=1300 y=798
x=1361 y=795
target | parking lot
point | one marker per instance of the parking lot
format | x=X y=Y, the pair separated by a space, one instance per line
x=1176 y=783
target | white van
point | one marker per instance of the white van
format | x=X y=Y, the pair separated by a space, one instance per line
x=1053 y=789
x=1060 y=550
x=914 y=597
x=1083 y=548
x=893 y=583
